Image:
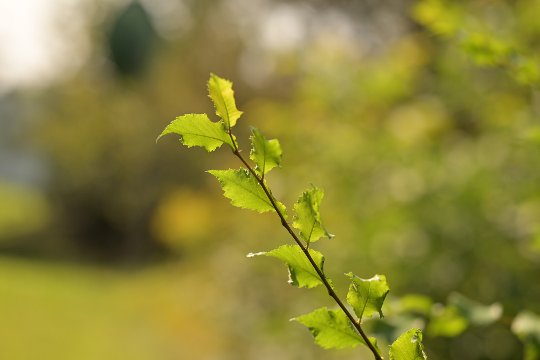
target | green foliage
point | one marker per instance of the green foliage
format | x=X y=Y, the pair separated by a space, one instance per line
x=301 y=272
x=366 y=296
x=408 y=346
x=222 y=94
x=198 y=130
x=244 y=191
x=247 y=188
x=331 y=329
x=484 y=47
x=265 y=153
x=308 y=217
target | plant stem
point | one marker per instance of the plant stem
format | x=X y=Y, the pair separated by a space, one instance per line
x=305 y=250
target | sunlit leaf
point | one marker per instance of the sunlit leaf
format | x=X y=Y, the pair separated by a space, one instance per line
x=366 y=296
x=198 y=130
x=308 y=217
x=265 y=153
x=244 y=191
x=222 y=95
x=301 y=272
x=408 y=346
x=331 y=329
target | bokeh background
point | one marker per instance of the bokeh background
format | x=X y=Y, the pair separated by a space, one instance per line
x=419 y=119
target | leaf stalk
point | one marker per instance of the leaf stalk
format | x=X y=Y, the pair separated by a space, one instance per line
x=305 y=250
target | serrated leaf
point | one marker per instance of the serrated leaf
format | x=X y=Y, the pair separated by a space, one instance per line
x=244 y=191
x=308 y=217
x=265 y=153
x=301 y=272
x=366 y=296
x=222 y=95
x=198 y=130
x=408 y=346
x=331 y=329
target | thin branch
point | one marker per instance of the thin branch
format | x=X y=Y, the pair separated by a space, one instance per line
x=305 y=250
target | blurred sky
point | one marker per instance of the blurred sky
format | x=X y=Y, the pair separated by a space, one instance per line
x=42 y=40
x=32 y=49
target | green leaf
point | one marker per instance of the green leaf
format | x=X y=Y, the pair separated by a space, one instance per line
x=308 y=217
x=265 y=153
x=244 y=191
x=331 y=329
x=526 y=326
x=301 y=272
x=198 y=130
x=222 y=95
x=366 y=296
x=408 y=346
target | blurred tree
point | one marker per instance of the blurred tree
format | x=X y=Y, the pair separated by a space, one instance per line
x=132 y=39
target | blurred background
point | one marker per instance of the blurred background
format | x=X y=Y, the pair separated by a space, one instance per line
x=419 y=119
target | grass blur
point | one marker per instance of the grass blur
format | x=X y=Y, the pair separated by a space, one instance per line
x=63 y=311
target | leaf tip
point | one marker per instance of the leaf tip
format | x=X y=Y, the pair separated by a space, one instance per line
x=250 y=255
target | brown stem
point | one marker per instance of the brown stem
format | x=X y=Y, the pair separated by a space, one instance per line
x=304 y=248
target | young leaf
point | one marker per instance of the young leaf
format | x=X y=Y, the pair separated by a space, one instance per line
x=408 y=346
x=301 y=272
x=222 y=95
x=331 y=329
x=265 y=153
x=366 y=296
x=198 y=130
x=244 y=191
x=308 y=217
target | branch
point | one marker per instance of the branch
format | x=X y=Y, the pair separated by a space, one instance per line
x=305 y=250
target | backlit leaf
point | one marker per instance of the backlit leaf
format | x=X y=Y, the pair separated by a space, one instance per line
x=222 y=95
x=366 y=296
x=265 y=153
x=331 y=329
x=198 y=130
x=301 y=272
x=308 y=217
x=244 y=191
x=408 y=346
